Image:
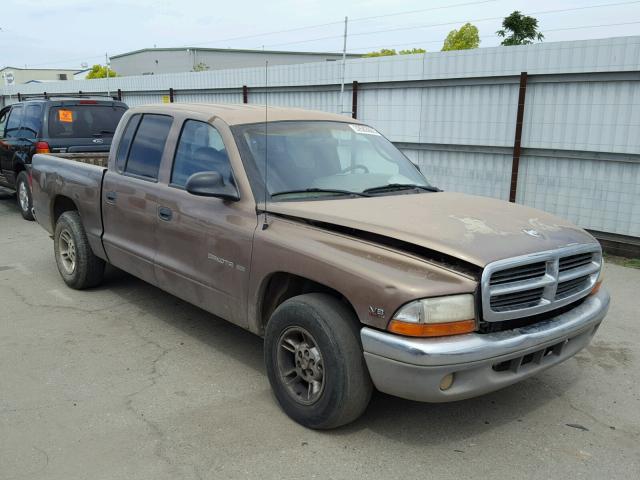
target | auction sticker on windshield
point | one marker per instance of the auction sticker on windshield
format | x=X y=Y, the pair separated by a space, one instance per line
x=363 y=129
x=65 y=116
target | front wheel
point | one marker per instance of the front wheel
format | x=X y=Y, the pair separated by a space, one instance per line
x=79 y=267
x=24 y=196
x=315 y=363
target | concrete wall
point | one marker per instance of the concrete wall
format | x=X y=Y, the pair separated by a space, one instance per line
x=454 y=114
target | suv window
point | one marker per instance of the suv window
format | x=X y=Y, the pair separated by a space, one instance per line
x=200 y=149
x=4 y=115
x=32 y=121
x=84 y=121
x=13 y=123
x=146 y=150
x=125 y=142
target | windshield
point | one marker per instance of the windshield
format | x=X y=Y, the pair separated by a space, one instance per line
x=84 y=121
x=312 y=159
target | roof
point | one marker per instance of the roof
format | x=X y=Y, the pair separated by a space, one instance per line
x=230 y=50
x=237 y=114
x=38 y=69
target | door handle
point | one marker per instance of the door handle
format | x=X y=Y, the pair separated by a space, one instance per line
x=165 y=214
x=111 y=197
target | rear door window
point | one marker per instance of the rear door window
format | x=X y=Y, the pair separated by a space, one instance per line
x=84 y=121
x=32 y=121
x=13 y=123
x=125 y=142
x=148 y=144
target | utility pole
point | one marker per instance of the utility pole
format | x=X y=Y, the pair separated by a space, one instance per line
x=344 y=64
x=106 y=62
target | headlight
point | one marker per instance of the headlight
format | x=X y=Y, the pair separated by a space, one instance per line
x=435 y=317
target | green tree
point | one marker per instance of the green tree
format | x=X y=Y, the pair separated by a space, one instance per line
x=100 y=71
x=386 y=52
x=412 y=51
x=519 y=29
x=464 y=39
x=200 y=67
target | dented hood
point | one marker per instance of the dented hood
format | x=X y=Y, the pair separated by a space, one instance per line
x=478 y=230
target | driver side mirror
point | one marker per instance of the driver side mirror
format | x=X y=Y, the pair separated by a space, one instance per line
x=211 y=184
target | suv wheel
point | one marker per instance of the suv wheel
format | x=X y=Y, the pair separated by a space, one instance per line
x=24 y=196
x=315 y=363
x=77 y=264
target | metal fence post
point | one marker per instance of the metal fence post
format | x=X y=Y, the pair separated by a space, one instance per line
x=354 y=100
x=171 y=95
x=245 y=94
x=515 y=165
x=119 y=95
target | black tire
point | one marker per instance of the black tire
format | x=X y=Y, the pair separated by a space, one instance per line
x=87 y=269
x=346 y=385
x=23 y=194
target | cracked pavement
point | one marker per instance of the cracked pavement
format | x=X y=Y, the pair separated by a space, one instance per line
x=128 y=382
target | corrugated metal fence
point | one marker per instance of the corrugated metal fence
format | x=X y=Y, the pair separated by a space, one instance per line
x=454 y=113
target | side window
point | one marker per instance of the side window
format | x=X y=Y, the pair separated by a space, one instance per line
x=13 y=123
x=32 y=121
x=125 y=142
x=146 y=150
x=200 y=149
x=4 y=116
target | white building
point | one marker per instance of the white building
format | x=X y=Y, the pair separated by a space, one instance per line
x=151 y=61
x=15 y=75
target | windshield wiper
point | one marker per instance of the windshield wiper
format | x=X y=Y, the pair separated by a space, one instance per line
x=321 y=190
x=400 y=186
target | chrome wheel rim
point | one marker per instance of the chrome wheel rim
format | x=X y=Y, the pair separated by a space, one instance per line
x=67 y=252
x=300 y=365
x=23 y=196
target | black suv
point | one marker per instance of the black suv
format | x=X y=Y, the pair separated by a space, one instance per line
x=51 y=124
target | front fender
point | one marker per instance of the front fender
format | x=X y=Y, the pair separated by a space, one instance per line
x=365 y=273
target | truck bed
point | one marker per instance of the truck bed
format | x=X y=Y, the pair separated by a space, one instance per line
x=93 y=158
x=61 y=179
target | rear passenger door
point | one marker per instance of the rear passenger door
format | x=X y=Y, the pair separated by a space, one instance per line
x=129 y=195
x=204 y=243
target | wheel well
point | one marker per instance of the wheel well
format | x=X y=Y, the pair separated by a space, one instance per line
x=60 y=205
x=282 y=286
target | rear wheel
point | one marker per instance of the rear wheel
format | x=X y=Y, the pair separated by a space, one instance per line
x=315 y=363
x=24 y=195
x=77 y=264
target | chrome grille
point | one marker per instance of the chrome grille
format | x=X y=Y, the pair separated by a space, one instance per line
x=532 y=284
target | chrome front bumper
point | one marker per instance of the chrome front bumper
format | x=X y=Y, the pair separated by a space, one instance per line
x=413 y=368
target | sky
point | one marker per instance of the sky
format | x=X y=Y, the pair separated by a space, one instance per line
x=68 y=33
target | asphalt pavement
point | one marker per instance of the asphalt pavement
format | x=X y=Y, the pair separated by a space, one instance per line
x=128 y=382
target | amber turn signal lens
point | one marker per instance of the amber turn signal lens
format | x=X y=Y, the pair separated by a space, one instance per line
x=596 y=287
x=431 y=329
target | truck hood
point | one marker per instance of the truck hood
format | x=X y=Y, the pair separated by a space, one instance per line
x=478 y=230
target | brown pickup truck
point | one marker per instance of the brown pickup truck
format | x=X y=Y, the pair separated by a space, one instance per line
x=315 y=232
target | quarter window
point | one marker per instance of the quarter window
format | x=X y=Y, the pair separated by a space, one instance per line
x=32 y=121
x=200 y=149
x=146 y=150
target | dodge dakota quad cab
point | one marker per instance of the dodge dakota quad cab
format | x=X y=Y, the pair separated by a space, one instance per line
x=51 y=124
x=313 y=231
